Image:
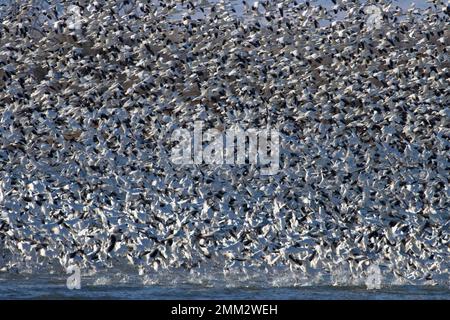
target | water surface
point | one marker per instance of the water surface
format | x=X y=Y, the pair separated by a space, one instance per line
x=51 y=287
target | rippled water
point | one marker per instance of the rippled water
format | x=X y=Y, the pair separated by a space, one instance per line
x=44 y=286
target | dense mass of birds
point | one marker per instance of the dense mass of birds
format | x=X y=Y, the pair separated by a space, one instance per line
x=90 y=92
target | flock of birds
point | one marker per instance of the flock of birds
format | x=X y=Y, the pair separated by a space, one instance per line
x=90 y=92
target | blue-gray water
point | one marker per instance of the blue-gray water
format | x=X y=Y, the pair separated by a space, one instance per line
x=43 y=286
